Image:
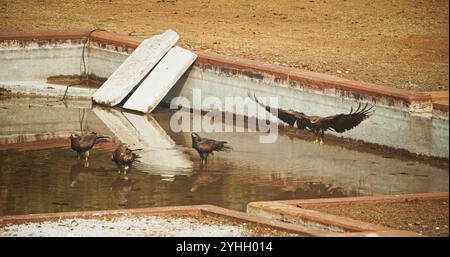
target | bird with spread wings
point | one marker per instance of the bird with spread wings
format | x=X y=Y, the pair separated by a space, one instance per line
x=318 y=125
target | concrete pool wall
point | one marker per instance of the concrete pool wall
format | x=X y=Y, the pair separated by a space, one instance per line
x=402 y=119
x=201 y=210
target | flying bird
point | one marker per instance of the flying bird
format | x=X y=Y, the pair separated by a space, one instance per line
x=318 y=125
x=206 y=146
x=83 y=144
x=124 y=157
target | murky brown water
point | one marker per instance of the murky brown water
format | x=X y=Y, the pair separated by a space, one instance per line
x=36 y=180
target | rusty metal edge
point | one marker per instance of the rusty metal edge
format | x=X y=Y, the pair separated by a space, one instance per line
x=305 y=78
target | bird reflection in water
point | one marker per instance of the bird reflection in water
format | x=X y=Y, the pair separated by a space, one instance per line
x=81 y=172
x=316 y=189
x=121 y=187
x=202 y=179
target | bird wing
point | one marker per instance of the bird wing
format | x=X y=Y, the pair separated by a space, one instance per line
x=289 y=116
x=206 y=145
x=343 y=122
x=88 y=141
x=129 y=157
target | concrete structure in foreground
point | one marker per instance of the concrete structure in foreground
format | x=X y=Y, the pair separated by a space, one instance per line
x=288 y=211
x=199 y=210
x=402 y=120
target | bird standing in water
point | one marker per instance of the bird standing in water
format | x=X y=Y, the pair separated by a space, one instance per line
x=206 y=146
x=83 y=144
x=318 y=125
x=124 y=157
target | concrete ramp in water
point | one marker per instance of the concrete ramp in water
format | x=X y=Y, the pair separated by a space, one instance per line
x=131 y=72
x=160 y=80
x=159 y=151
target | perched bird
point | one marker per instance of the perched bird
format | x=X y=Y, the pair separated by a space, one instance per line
x=206 y=146
x=124 y=157
x=83 y=144
x=318 y=125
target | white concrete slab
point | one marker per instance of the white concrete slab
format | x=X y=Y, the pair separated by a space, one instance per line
x=160 y=80
x=139 y=131
x=135 y=68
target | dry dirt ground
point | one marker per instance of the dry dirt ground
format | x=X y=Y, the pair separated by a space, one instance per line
x=428 y=218
x=399 y=43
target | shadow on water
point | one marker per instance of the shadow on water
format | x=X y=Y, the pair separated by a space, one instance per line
x=42 y=174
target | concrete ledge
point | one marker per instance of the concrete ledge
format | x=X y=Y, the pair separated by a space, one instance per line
x=310 y=79
x=109 y=38
x=44 y=35
x=289 y=212
x=384 y=233
x=310 y=218
x=191 y=210
x=291 y=75
x=443 y=107
x=42 y=88
x=196 y=210
x=384 y=198
x=440 y=100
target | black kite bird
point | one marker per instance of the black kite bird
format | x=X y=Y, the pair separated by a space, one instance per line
x=124 y=157
x=318 y=125
x=206 y=146
x=83 y=144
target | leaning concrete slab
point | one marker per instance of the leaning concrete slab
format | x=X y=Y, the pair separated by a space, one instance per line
x=135 y=68
x=163 y=77
x=158 y=148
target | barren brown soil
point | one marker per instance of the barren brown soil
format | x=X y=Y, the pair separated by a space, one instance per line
x=428 y=217
x=398 y=43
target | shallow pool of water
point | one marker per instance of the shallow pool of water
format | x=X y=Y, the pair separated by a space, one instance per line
x=39 y=172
